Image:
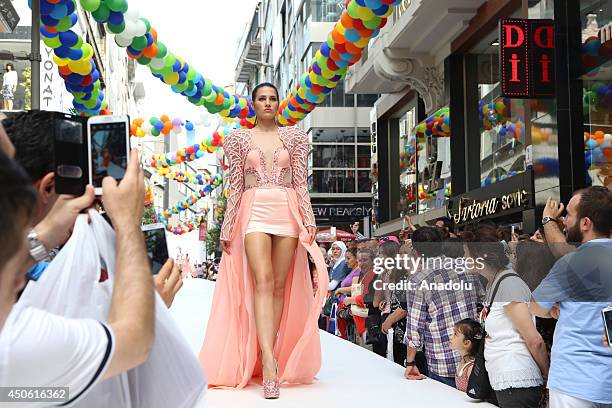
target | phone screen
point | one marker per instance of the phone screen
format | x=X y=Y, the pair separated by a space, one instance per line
x=157 y=248
x=109 y=151
x=607 y=316
x=70 y=155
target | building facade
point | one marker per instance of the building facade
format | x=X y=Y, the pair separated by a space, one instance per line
x=446 y=142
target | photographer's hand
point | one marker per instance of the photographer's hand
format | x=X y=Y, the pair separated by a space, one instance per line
x=55 y=229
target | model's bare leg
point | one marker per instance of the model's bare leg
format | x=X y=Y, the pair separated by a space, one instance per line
x=258 y=247
x=283 y=250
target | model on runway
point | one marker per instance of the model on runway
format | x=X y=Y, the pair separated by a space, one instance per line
x=264 y=316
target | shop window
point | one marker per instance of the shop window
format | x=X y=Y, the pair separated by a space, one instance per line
x=363 y=135
x=328 y=11
x=501 y=120
x=333 y=135
x=332 y=181
x=596 y=18
x=366 y=101
x=333 y=156
x=364 y=157
x=364 y=183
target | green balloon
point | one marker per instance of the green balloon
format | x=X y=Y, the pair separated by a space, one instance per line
x=373 y=23
x=91 y=103
x=64 y=24
x=162 y=50
x=96 y=85
x=226 y=104
x=52 y=42
x=211 y=97
x=116 y=29
x=169 y=60
x=147 y=23
x=139 y=43
x=181 y=87
x=120 y=6
x=144 y=60
x=191 y=73
x=207 y=89
x=90 y=5
x=166 y=71
x=102 y=13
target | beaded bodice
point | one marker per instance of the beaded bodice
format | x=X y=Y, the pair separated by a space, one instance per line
x=252 y=167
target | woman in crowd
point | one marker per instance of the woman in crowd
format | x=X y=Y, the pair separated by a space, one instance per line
x=344 y=318
x=394 y=304
x=370 y=299
x=515 y=354
x=339 y=268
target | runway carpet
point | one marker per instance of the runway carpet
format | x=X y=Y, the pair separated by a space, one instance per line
x=350 y=375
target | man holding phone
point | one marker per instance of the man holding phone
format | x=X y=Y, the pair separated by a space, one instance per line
x=581 y=283
x=43 y=349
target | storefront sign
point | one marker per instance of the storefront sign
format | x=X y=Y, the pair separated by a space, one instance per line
x=499 y=199
x=8 y=17
x=473 y=210
x=527 y=58
x=341 y=212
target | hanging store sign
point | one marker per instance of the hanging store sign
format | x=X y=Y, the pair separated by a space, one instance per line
x=527 y=58
x=341 y=212
x=8 y=17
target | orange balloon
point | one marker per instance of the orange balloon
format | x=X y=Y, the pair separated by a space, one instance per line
x=153 y=33
x=347 y=21
x=337 y=37
x=219 y=99
x=164 y=118
x=151 y=51
x=351 y=48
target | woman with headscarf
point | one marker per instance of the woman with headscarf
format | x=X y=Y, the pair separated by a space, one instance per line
x=340 y=269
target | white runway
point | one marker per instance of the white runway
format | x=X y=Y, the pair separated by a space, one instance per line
x=350 y=375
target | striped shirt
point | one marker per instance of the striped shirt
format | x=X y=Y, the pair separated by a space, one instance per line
x=433 y=310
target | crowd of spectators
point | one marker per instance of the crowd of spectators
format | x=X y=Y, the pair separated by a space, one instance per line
x=541 y=296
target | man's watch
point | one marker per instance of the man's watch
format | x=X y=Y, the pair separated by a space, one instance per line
x=546 y=220
x=38 y=252
x=409 y=363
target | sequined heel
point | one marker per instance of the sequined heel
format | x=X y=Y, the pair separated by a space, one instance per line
x=271 y=388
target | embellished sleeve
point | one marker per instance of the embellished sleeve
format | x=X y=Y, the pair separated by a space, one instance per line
x=299 y=171
x=233 y=149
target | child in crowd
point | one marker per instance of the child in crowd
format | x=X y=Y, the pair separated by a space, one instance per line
x=465 y=341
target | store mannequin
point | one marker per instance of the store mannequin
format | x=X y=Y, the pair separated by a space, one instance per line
x=9 y=85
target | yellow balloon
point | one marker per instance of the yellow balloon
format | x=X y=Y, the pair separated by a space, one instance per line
x=366 y=14
x=340 y=28
x=363 y=42
x=225 y=112
x=172 y=78
x=61 y=62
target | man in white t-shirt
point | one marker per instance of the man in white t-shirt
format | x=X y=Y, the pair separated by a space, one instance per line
x=39 y=349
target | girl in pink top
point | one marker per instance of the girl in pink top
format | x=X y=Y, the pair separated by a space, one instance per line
x=465 y=340
x=264 y=315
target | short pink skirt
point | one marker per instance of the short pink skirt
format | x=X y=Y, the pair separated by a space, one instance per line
x=270 y=213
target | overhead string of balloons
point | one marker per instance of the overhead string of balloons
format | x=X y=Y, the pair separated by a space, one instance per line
x=189 y=225
x=359 y=23
x=73 y=56
x=182 y=205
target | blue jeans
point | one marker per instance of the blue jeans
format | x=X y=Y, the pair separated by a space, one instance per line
x=450 y=381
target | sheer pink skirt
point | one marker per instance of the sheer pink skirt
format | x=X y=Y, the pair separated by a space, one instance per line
x=271 y=214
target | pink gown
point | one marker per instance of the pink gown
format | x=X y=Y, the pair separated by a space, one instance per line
x=271 y=199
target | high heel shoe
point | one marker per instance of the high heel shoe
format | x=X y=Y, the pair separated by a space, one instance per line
x=271 y=388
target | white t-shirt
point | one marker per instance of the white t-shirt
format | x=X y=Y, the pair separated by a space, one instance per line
x=507 y=358
x=40 y=349
x=10 y=78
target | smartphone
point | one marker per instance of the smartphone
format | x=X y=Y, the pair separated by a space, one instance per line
x=607 y=318
x=157 y=246
x=108 y=147
x=70 y=153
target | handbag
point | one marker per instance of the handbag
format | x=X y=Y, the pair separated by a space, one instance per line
x=327 y=308
x=356 y=310
x=344 y=313
x=479 y=386
x=373 y=333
